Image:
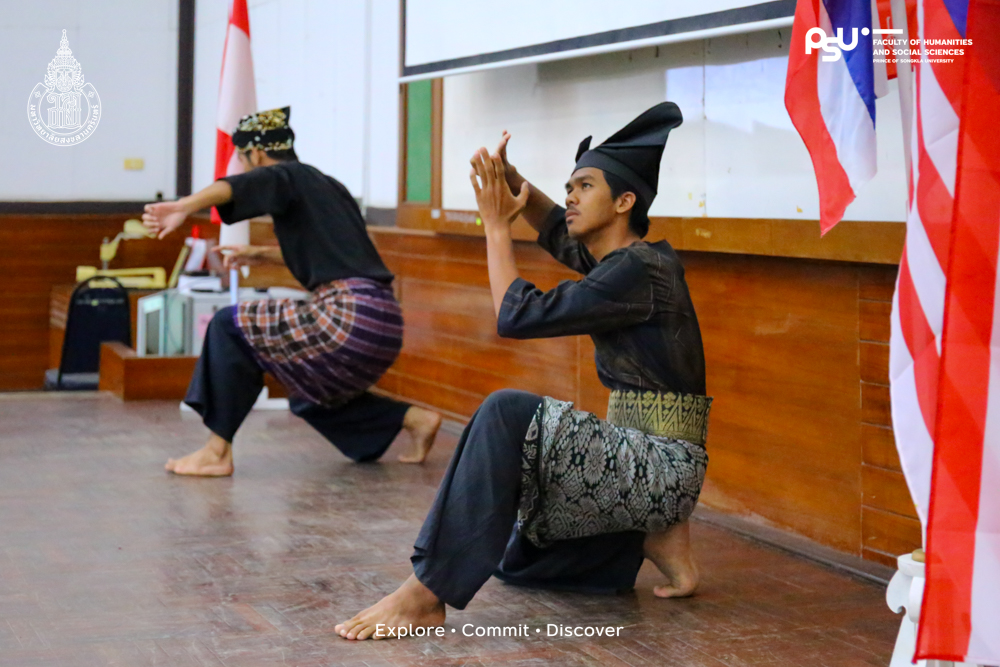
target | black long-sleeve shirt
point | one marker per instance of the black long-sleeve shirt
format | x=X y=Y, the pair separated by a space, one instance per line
x=634 y=304
x=316 y=220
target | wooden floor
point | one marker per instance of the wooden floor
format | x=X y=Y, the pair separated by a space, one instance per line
x=107 y=560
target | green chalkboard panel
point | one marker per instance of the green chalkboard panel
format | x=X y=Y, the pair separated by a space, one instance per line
x=418 y=142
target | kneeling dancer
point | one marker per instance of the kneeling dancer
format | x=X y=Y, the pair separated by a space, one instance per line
x=327 y=349
x=540 y=494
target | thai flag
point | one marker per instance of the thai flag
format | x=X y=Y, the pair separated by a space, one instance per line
x=237 y=94
x=830 y=96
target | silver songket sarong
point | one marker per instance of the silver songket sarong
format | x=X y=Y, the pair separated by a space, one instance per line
x=641 y=469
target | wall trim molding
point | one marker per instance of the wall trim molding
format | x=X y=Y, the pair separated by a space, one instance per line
x=758 y=531
x=71 y=207
x=868 y=242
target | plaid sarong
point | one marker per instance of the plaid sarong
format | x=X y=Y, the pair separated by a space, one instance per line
x=332 y=345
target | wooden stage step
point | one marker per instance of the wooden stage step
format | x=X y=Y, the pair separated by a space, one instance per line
x=133 y=378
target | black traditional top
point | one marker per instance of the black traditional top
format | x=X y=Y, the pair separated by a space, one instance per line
x=318 y=224
x=634 y=304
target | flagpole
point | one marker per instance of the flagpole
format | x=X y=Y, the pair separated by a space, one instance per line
x=234 y=286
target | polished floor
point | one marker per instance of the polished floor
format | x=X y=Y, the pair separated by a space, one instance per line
x=107 y=560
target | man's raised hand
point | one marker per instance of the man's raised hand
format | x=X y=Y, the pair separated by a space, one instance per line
x=497 y=204
x=514 y=178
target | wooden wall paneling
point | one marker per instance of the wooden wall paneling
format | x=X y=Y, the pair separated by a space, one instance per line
x=505 y=367
x=452 y=356
x=874 y=362
x=877 y=283
x=878 y=447
x=886 y=490
x=887 y=535
x=465 y=314
x=39 y=251
x=875 y=320
x=781 y=352
x=592 y=396
x=874 y=243
x=888 y=523
x=453 y=401
x=35 y=252
x=875 y=404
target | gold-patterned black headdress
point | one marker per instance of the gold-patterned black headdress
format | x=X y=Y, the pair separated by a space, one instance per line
x=267 y=130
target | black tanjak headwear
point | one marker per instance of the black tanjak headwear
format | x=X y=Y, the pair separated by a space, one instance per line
x=633 y=153
x=267 y=130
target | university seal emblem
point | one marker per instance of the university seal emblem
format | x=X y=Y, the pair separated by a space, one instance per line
x=63 y=110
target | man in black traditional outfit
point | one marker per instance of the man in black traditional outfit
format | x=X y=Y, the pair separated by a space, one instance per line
x=537 y=493
x=327 y=349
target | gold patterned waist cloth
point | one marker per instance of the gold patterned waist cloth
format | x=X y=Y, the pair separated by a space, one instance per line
x=663 y=414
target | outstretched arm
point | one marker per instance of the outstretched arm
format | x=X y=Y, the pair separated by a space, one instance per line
x=498 y=207
x=165 y=217
x=537 y=210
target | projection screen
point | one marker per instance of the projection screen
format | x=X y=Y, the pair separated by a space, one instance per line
x=443 y=37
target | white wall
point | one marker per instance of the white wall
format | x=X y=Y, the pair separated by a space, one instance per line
x=128 y=50
x=310 y=54
x=736 y=155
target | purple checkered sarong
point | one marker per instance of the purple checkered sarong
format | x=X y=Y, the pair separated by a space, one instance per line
x=328 y=347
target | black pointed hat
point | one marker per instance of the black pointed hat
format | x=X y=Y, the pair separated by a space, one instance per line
x=633 y=153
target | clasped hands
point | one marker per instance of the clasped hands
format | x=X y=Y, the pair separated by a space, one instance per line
x=492 y=179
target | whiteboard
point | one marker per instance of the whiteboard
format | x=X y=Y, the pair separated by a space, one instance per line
x=736 y=155
x=451 y=36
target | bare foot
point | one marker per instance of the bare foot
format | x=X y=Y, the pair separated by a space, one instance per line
x=670 y=551
x=215 y=459
x=422 y=425
x=411 y=604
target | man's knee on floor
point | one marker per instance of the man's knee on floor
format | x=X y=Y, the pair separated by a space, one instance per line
x=511 y=404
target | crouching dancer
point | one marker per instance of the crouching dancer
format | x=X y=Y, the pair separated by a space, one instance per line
x=328 y=348
x=540 y=494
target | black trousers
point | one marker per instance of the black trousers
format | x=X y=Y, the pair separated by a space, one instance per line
x=469 y=534
x=227 y=381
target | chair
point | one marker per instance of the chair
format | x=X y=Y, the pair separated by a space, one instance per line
x=98 y=311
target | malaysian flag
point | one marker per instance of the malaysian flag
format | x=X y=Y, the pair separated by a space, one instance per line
x=945 y=379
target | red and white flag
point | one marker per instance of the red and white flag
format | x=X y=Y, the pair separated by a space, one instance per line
x=944 y=374
x=237 y=98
